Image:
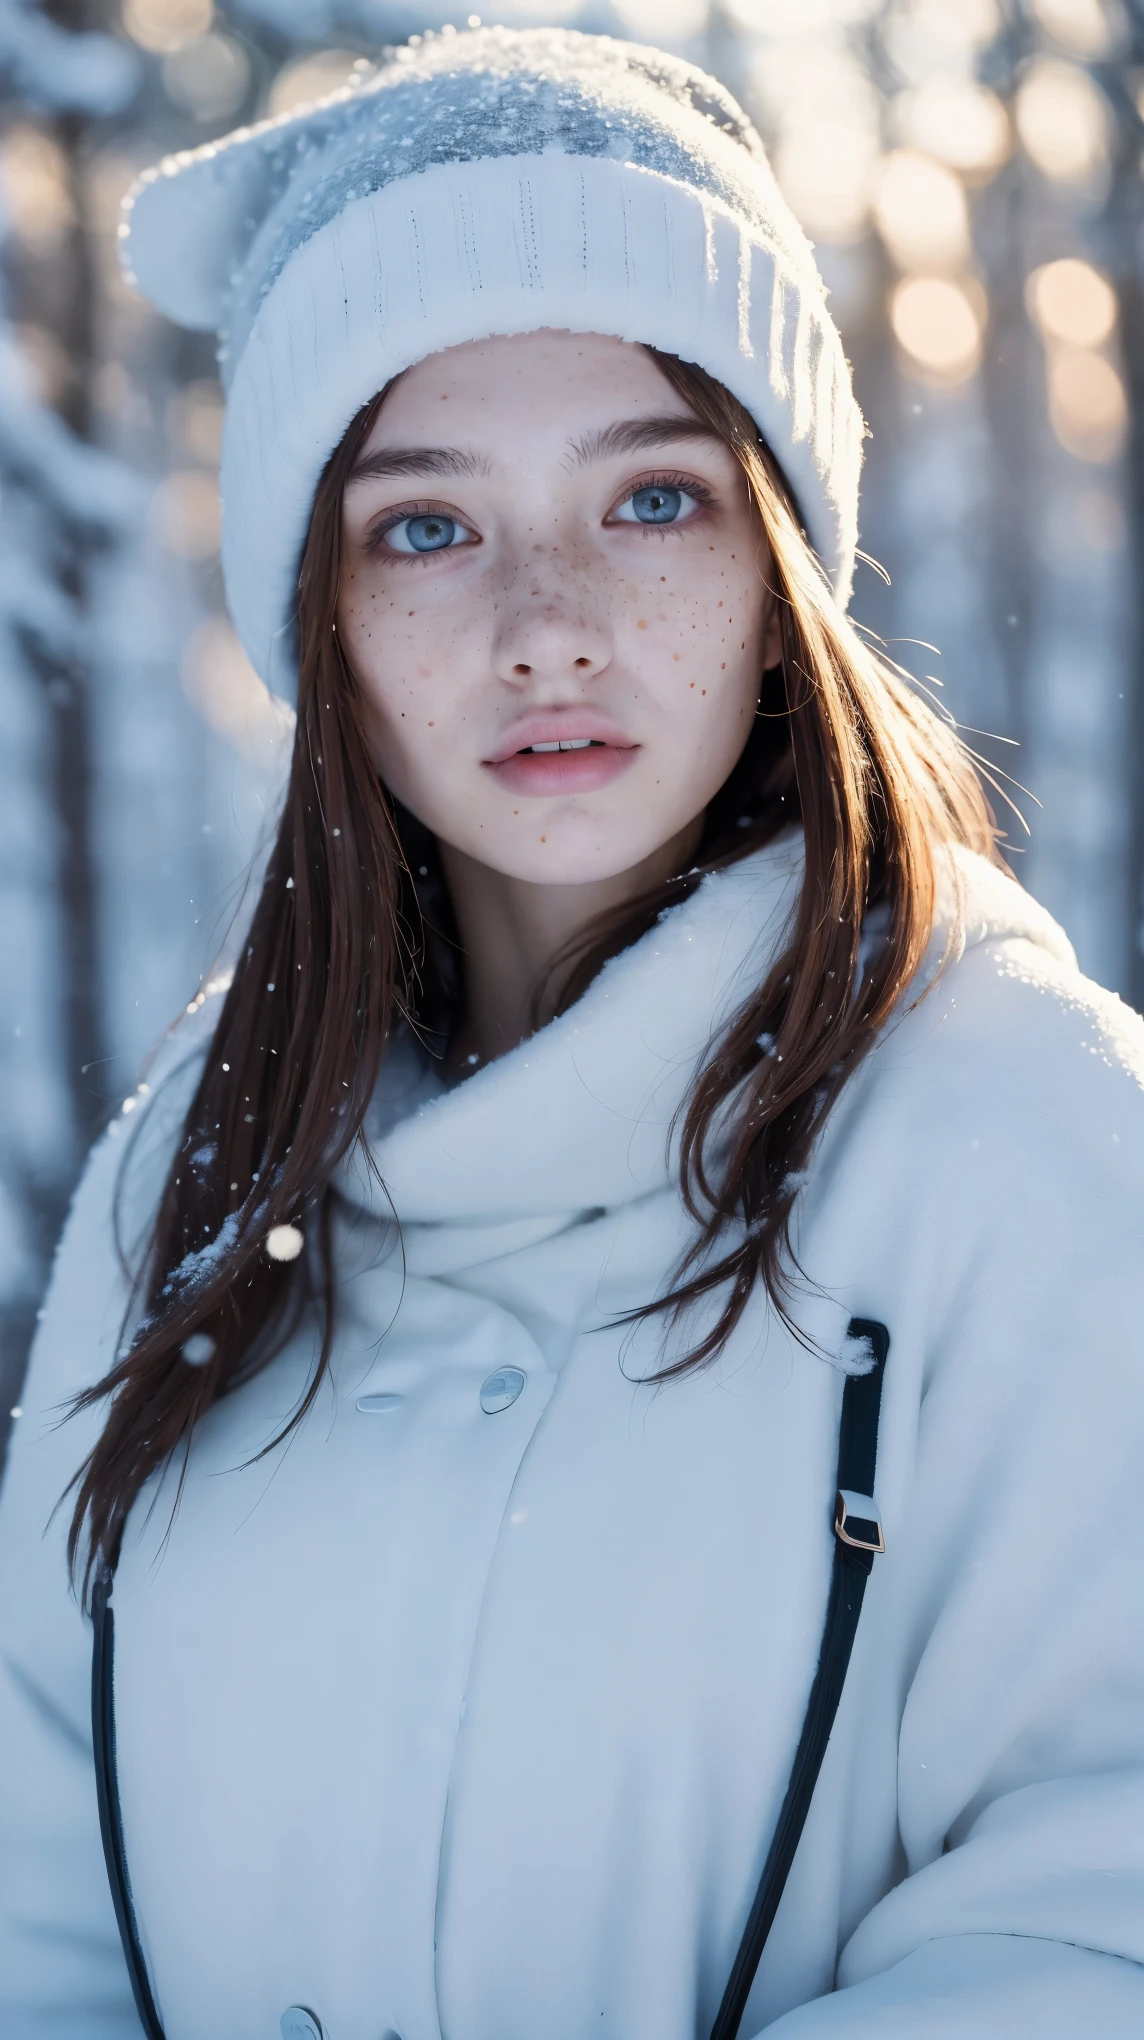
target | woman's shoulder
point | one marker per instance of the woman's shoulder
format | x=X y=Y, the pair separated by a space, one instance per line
x=982 y=1185
x=1019 y=1006
x=103 y=1242
x=1004 y=1043
x=87 y=1308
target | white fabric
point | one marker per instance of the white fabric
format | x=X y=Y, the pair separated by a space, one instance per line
x=452 y=1724
x=494 y=182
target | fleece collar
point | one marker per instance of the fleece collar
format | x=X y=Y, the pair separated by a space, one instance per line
x=580 y=1117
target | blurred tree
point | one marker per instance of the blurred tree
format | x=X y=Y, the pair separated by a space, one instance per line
x=59 y=499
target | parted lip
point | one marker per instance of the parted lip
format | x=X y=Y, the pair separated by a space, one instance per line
x=564 y=726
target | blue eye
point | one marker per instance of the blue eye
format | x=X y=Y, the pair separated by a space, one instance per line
x=657 y=503
x=428 y=533
x=657 y=506
x=431 y=534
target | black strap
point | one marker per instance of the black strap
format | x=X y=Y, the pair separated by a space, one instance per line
x=857 y=1539
x=107 y=1794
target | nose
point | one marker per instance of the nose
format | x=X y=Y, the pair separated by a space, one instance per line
x=553 y=628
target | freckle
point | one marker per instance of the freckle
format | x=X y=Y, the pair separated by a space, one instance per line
x=544 y=839
x=692 y=684
x=704 y=690
x=675 y=656
x=641 y=623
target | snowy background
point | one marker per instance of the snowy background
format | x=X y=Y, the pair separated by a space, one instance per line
x=971 y=174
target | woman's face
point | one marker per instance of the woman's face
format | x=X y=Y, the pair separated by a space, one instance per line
x=554 y=595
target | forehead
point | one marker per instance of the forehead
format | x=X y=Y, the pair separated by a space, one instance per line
x=529 y=388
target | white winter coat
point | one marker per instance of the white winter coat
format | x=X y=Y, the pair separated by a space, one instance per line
x=446 y=1722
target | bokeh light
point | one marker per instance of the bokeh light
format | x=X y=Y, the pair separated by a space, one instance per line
x=1062 y=119
x=920 y=209
x=1091 y=29
x=940 y=36
x=1070 y=300
x=309 y=78
x=208 y=78
x=34 y=186
x=826 y=180
x=957 y=120
x=825 y=117
x=938 y=323
x=1088 y=408
x=165 y=25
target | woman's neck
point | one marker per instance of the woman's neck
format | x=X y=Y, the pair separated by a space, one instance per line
x=512 y=932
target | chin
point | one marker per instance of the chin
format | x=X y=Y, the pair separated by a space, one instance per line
x=568 y=856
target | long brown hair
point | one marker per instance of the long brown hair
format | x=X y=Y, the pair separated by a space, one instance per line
x=351 y=935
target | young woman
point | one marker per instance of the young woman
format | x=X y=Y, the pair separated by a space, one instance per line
x=637 y=1037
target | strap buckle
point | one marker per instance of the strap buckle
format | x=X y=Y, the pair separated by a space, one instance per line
x=857 y=1523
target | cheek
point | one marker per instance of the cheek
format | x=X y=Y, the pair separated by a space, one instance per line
x=694 y=639
x=389 y=634
x=405 y=659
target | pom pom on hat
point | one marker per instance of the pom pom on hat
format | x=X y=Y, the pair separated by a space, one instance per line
x=493 y=182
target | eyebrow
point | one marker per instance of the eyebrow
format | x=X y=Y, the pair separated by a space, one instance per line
x=638 y=435
x=627 y=435
x=386 y=462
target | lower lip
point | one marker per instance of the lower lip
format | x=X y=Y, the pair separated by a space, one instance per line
x=547 y=772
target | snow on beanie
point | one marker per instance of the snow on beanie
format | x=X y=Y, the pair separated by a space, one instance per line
x=491 y=182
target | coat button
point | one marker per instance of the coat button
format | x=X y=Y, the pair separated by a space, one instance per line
x=297 y=2023
x=501 y=1389
x=379 y=1405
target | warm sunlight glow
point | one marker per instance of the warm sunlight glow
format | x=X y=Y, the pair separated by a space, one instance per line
x=936 y=323
x=164 y=25
x=1062 y=119
x=34 y=186
x=1090 y=29
x=310 y=78
x=920 y=209
x=1070 y=300
x=1087 y=404
x=957 y=120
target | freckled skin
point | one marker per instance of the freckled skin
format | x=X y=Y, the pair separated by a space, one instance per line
x=550 y=603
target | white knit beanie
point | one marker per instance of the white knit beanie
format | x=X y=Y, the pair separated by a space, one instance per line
x=491 y=182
